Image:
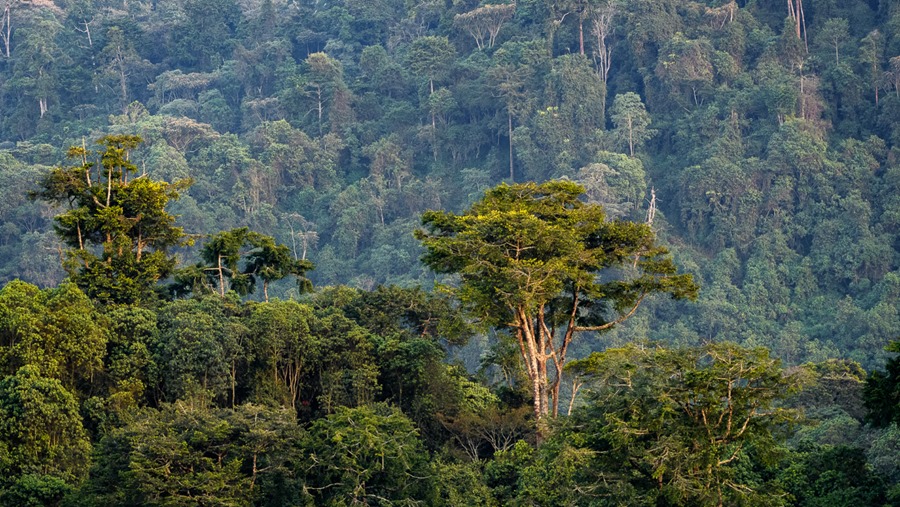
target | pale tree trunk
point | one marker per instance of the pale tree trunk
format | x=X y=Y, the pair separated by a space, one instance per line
x=581 y=35
x=552 y=27
x=630 y=137
x=802 y=101
x=434 y=148
x=529 y=348
x=123 y=80
x=576 y=385
x=293 y=376
x=221 y=278
x=601 y=26
x=536 y=344
x=559 y=355
x=320 y=107
x=87 y=31
x=7 y=27
x=512 y=178
x=795 y=12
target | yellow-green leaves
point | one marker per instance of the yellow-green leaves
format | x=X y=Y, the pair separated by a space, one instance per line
x=116 y=225
x=55 y=331
x=539 y=260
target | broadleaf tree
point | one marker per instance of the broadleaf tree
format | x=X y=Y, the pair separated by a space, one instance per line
x=115 y=224
x=681 y=426
x=222 y=268
x=538 y=260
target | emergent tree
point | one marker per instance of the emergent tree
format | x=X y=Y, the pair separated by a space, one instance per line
x=536 y=259
x=116 y=225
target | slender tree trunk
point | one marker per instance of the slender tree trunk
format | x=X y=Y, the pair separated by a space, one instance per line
x=555 y=393
x=630 y=136
x=109 y=187
x=321 y=108
x=796 y=15
x=433 y=127
x=8 y=27
x=802 y=98
x=293 y=240
x=575 y=387
x=221 y=278
x=87 y=31
x=559 y=356
x=253 y=476
x=512 y=175
x=803 y=23
x=545 y=392
x=433 y=118
x=123 y=85
x=581 y=35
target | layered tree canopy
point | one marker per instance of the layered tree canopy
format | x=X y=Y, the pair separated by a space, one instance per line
x=759 y=141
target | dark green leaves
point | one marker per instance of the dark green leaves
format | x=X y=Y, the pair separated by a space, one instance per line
x=116 y=226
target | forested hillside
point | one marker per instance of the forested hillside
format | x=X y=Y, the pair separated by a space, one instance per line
x=285 y=142
x=332 y=125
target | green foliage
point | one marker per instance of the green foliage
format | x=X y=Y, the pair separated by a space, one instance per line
x=188 y=454
x=882 y=392
x=57 y=332
x=366 y=455
x=328 y=128
x=833 y=384
x=833 y=476
x=331 y=128
x=223 y=252
x=615 y=181
x=283 y=351
x=199 y=345
x=685 y=419
x=430 y=57
x=460 y=484
x=205 y=33
x=530 y=258
x=34 y=490
x=125 y=220
x=522 y=245
x=44 y=445
x=631 y=120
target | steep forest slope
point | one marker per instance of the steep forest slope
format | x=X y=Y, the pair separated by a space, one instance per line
x=759 y=139
x=765 y=135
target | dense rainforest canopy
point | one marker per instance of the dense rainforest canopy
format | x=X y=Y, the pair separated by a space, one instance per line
x=160 y=343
